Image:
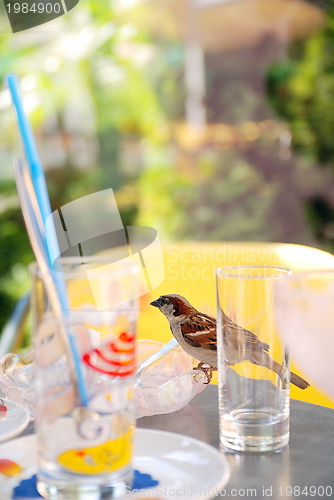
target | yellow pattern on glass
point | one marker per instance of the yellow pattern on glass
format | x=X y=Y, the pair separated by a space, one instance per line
x=104 y=458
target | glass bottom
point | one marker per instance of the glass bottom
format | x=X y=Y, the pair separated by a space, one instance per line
x=71 y=487
x=255 y=431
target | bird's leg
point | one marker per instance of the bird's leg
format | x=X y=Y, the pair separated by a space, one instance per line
x=208 y=371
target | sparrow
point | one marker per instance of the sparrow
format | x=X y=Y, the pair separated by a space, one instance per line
x=196 y=334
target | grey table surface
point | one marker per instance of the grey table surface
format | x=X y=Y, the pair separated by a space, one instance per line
x=308 y=459
x=306 y=462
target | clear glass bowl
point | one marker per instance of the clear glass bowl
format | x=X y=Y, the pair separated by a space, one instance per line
x=167 y=385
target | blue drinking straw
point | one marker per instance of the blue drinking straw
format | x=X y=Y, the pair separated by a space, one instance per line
x=35 y=166
x=34 y=163
x=40 y=187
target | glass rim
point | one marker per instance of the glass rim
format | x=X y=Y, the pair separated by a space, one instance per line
x=124 y=268
x=225 y=271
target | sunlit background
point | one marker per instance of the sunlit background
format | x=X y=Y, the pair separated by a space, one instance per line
x=211 y=119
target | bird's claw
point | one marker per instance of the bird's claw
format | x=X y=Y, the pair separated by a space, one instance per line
x=207 y=371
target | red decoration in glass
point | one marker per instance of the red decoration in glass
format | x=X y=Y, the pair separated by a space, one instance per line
x=116 y=358
x=3 y=409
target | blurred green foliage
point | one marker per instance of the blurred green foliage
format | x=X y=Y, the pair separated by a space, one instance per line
x=15 y=253
x=225 y=197
x=301 y=90
x=86 y=94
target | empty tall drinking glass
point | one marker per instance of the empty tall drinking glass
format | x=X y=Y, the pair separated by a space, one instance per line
x=253 y=364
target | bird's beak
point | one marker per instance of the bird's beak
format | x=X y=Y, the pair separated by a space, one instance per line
x=156 y=303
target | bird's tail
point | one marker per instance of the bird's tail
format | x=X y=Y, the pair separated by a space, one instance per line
x=270 y=363
x=298 y=381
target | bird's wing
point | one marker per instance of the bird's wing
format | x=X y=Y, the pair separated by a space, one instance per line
x=200 y=331
x=235 y=334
